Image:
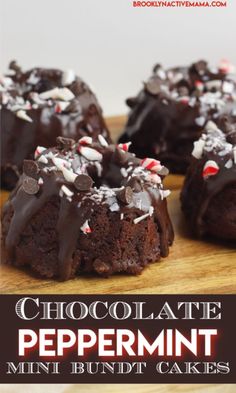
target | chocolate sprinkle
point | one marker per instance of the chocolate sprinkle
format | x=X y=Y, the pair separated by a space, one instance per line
x=125 y=195
x=30 y=186
x=83 y=182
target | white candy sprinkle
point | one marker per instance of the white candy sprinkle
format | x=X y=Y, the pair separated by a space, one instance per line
x=123 y=172
x=65 y=190
x=23 y=115
x=228 y=87
x=33 y=79
x=200 y=121
x=59 y=162
x=102 y=141
x=141 y=218
x=40 y=181
x=68 y=175
x=90 y=154
x=39 y=151
x=67 y=77
x=43 y=159
x=151 y=210
x=211 y=126
x=122 y=216
x=198 y=148
x=229 y=164
x=57 y=93
x=85 y=140
x=234 y=151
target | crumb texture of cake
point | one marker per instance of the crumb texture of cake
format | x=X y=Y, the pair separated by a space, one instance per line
x=87 y=206
x=172 y=109
x=36 y=107
x=209 y=192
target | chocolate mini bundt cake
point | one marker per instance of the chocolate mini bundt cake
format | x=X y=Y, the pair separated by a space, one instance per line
x=36 y=107
x=87 y=207
x=209 y=192
x=170 y=112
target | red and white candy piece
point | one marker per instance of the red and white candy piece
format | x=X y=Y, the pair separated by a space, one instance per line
x=85 y=228
x=39 y=151
x=211 y=168
x=89 y=153
x=199 y=85
x=226 y=67
x=124 y=146
x=151 y=164
x=85 y=140
x=61 y=106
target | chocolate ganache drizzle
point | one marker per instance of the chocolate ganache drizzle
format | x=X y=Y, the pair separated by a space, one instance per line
x=173 y=107
x=37 y=106
x=81 y=179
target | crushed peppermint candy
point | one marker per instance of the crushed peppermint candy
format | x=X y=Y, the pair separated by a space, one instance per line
x=210 y=168
x=65 y=190
x=90 y=154
x=102 y=140
x=23 y=115
x=85 y=140
x=151 y=164
x=85 y=228
x=124 y=146
x=141 y=218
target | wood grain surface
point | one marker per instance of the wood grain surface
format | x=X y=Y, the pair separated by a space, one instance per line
x=193 y=266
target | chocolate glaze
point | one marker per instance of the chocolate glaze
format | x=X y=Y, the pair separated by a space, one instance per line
x=199 y=192
x=46 y=118
x=56 y=176
x=171 y=110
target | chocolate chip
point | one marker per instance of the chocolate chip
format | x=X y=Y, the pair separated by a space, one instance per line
x=231 y=137
x=131 y=102
x=30 y=168
x=30 y=186
x=135 y=184
x=156 y=68
x=125 y=195
x=65 y=143
x=83 y=182
x=201 y=67
x=14 y=66
x=183 y=91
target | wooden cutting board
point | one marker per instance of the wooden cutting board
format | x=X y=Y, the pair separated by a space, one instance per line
x=193 y=266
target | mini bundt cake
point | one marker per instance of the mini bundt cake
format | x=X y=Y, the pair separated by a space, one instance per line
x=36 y=107
x=209 y=192
x=171 y=110
x=87 y=207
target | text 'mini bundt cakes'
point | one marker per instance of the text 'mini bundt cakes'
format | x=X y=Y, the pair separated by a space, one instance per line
x=171 y=110
x=87 y=207
x=209 y=192
x=37 y=106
